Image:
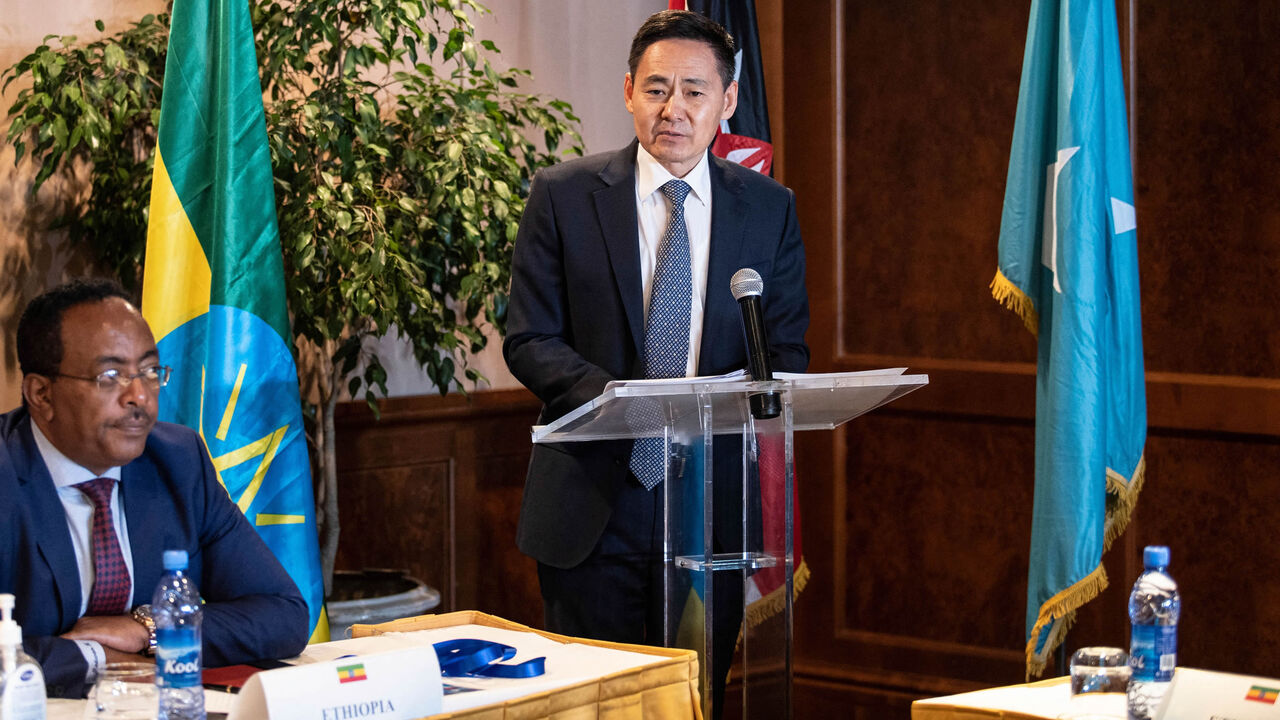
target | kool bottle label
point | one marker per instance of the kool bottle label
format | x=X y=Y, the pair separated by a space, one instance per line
x=1153 y=652
x=177 y=658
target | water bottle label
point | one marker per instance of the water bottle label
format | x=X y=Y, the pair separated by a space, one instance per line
x=178 y=657
x=1153 y=652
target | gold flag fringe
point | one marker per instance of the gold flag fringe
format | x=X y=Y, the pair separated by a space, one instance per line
x=1122 y=498
x=773 y=603
x=1061 y=610
x=1012 y=297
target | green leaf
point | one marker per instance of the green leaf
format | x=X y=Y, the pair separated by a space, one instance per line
x=114 y=56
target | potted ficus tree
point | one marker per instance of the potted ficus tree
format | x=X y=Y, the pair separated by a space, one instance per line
x=402 y=159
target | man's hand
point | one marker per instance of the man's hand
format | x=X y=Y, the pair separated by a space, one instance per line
x=113 y=632
x=115 y=656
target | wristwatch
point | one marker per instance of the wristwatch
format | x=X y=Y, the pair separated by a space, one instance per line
x=142 y=615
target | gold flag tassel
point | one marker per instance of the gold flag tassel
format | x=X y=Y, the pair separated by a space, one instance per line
x=1122 y=496
x=773 y=603
x=1012 y=297
x=1061 y=611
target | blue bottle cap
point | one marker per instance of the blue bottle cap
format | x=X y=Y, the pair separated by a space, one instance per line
x=175 y=559
x=1154 y=556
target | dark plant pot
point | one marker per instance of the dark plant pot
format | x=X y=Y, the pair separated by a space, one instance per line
x=374 y=596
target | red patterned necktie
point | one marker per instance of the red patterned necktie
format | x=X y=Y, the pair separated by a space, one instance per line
x=111 y=584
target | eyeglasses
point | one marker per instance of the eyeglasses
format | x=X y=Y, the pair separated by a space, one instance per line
x=154 y=378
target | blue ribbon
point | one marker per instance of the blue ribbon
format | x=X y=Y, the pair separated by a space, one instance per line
x=483 y=658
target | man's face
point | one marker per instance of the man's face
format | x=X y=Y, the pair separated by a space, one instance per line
x=98 y=428
x=677 y=101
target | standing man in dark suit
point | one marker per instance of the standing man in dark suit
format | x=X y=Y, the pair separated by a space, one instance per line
x=593 y=300
x=93 y=490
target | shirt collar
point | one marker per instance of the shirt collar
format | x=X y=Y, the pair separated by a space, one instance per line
x=650 y=175
x=64 y=471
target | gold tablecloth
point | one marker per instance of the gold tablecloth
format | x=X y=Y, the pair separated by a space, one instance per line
x=667 y=689
x=1042 y=700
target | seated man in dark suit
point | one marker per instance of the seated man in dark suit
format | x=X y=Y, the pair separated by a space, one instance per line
x=93 y=490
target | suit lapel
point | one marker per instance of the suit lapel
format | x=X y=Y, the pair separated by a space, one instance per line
x=140 y=496
x=52 y=536
x=728 y=224
x=616 y=211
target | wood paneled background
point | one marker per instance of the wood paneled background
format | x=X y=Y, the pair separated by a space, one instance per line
x=896 y=119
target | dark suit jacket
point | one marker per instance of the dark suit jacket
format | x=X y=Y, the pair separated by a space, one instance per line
x=172 y=501
x=576 y=321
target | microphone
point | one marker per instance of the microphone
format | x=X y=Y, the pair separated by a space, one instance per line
x=747 y=287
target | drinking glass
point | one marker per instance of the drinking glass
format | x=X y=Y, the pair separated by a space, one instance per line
x=1099 y=681
x=125 y=691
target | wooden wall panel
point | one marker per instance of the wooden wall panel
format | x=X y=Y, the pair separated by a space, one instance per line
x=417 y=497
x=929 y=538
x=506 y=579
x=928 y=112
x=899 y=173
x=1208 y=136
x=434 y=486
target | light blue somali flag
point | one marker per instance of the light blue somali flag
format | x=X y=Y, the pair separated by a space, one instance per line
x=1068 y=265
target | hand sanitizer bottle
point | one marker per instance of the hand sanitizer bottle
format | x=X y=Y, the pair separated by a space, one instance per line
x=22 y=694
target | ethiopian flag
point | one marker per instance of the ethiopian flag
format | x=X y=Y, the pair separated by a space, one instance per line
x=213 y=287
x=1068 y=264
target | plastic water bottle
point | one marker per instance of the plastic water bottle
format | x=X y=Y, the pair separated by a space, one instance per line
x=177 y=612
x=1153 y=648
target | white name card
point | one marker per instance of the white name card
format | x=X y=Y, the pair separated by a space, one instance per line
x=1206 y=695
x=394 y=685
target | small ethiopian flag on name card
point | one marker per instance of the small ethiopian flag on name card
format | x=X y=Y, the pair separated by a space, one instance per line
x=351 y=673
x=1263 y=694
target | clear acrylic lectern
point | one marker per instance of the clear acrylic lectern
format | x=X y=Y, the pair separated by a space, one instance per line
x=689 y=413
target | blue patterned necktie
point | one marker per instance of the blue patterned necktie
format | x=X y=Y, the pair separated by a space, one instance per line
x=666 y=330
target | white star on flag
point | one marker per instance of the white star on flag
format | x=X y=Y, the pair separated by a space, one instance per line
x=1049 y=251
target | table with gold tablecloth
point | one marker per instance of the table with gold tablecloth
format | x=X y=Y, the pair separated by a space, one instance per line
x=1043 y=700
x=664 y=686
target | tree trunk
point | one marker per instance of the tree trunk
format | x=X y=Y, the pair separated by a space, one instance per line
x=329 y=478
x=327 y=464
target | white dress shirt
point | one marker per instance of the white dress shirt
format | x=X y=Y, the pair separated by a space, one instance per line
x=653 y=212
x=79 y=511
